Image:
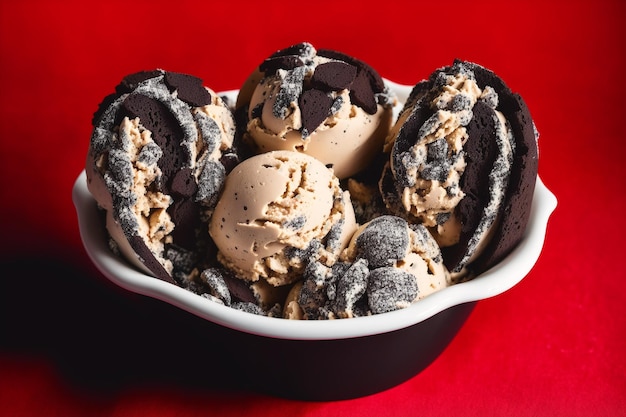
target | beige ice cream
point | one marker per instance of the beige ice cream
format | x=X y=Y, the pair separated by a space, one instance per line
x=396 y=247
x=318 y=102
x=388 y=265
x=279 y=211
x=429 y=194
x=451 y=157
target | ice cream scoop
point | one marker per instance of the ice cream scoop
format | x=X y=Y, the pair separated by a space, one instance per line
x=278 y=212
x=388 y=265
x=463 y=162
x=324 y=103
x=161 y=147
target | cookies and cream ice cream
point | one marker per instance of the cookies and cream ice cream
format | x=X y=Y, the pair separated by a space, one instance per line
x=305 y=202
x=453 y=150
x=279 y=211
x=319 y=102
x=161 y=147
x=388 y=265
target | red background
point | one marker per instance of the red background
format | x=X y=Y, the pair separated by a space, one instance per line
x=553 y=345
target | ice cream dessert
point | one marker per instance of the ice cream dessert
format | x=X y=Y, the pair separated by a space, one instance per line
x=463 y=162
x=278 y=212
x=304 y=201
x=324 y=103
x=388 y=265
x=161 y=147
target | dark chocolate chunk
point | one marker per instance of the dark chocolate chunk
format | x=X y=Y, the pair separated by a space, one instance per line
x=257 y=111
x=229 y=160
x=188 y=88
x=166 y=132
x=362 y=95
x=333 y=76
x=480 y=151
x=239 y=289
x=515 y=210
x=285 y=62
x=132 y=81
x=390 y=289
x=148 y=259
x=383 y=241
x=518 y=200
x=376 y=81
x=315 y=107
x=184 y=183
x=186 y=216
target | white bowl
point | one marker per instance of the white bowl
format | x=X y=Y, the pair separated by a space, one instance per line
x=427 y=325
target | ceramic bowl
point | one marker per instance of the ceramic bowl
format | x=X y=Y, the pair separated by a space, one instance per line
x=345 y=358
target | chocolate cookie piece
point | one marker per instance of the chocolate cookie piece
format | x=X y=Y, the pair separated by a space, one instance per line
x=330 y=106
x=384 y=241
x=148 y=258
x=390 y=289
x=480 y=154
x=362 y=94
x=518 y=200
x=376 y=81
x=367 y=83
x=515 y=210
x=345 y=72
x=188 y=88
x=497 y=153
x=333 y=76
x=165 y=158
x=351 y=288
x=286 y=62
x=166 y=132
x=315 y=107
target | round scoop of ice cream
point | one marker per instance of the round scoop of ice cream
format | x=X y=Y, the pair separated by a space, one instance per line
x=319 y=102
x=160 y=150
x=404 y=260
x=278 y=212
x=387 y=265
x=463 y=162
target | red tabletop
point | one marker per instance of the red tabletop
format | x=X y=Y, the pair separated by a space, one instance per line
x=73 y=344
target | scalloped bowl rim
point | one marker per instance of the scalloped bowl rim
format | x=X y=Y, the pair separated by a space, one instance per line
x=509 y=272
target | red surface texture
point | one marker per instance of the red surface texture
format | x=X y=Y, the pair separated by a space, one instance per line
x=553 y=345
